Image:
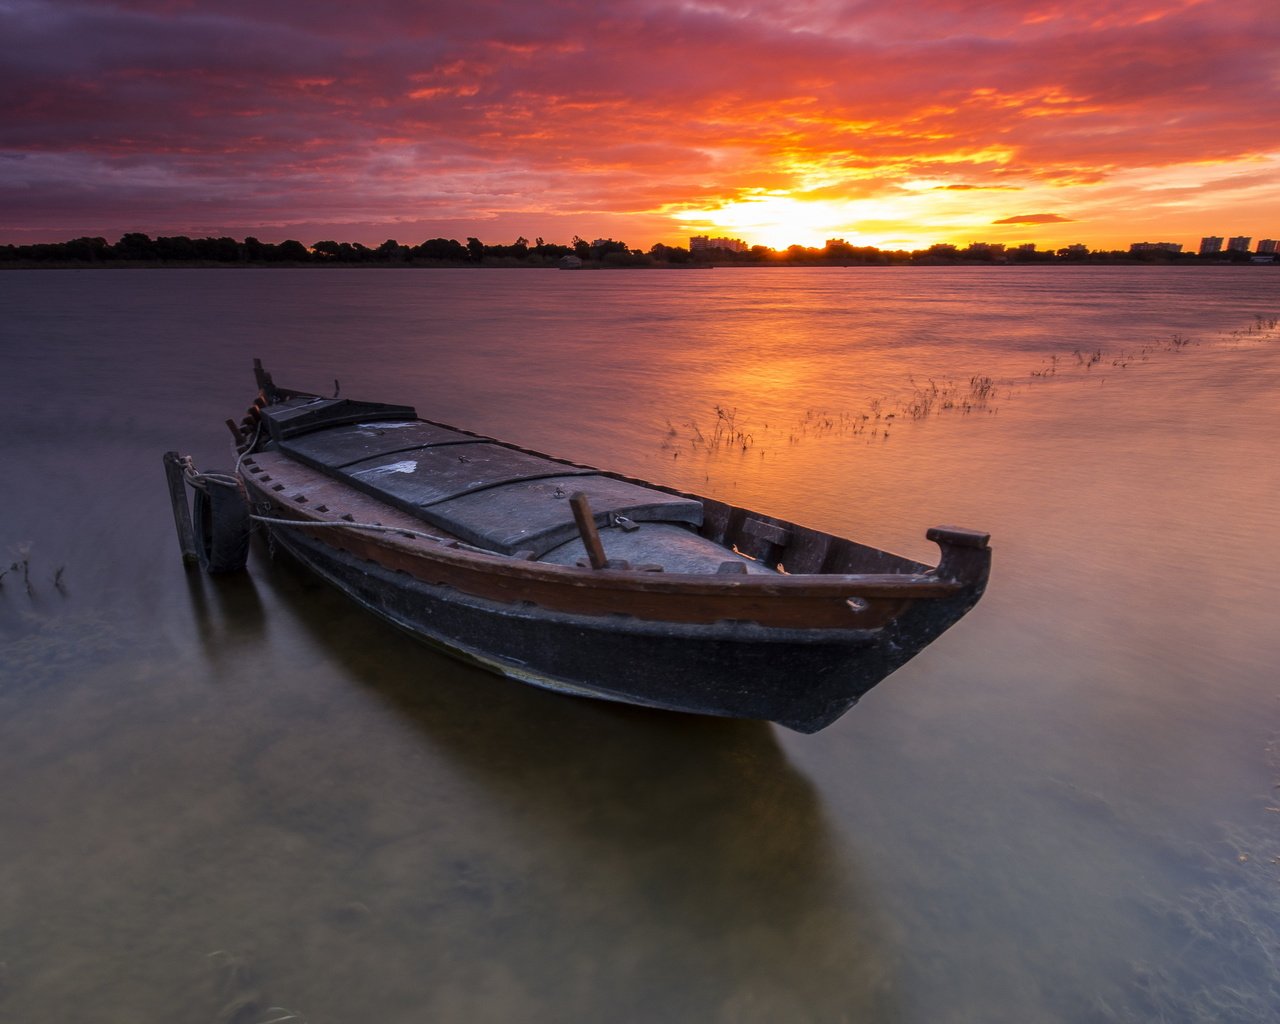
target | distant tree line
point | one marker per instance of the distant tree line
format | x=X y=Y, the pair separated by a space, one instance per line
x=136 y=248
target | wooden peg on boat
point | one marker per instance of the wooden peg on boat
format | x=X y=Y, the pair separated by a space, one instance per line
x=587 y=527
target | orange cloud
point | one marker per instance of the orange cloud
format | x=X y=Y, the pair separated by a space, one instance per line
x=1034 y=218
x=651 y=116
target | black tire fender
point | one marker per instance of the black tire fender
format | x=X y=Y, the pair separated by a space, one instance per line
x=221 y=522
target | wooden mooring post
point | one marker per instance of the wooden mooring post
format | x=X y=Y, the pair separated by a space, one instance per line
x=181 y=510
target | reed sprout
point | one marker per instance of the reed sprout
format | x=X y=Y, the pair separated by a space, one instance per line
x=21 y=565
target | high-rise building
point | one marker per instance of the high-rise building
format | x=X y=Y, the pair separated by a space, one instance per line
x=1210 y=245
x=1240 y=243
x=701 y=243
x=1267 y=247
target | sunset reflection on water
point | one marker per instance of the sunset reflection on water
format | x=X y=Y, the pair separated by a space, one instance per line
x=247 y=790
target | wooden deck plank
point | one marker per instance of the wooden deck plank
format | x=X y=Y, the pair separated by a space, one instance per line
x=428 y=476
x=536 y=514
x=298 y=416
x=343 y=446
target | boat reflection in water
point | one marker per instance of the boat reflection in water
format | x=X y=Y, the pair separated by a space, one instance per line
x=680 y=863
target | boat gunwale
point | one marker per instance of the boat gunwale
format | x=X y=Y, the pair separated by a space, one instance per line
x=846 y=600
x=445 y=549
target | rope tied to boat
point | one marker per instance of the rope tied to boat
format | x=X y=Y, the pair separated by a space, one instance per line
x=253 y=444
x=200 y=481
x=311 y=524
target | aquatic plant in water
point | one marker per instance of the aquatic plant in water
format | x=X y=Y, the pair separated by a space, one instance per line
x=917 y=401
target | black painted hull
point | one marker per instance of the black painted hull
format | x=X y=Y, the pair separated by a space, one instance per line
x=801 y=679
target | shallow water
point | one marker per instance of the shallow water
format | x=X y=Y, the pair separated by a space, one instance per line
x=226 y=798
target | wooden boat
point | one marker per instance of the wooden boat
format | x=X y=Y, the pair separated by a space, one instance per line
x=573 y=579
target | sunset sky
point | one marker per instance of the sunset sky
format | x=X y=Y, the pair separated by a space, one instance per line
x=894 y=123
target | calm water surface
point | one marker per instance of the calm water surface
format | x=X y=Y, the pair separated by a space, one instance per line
x=244 y=801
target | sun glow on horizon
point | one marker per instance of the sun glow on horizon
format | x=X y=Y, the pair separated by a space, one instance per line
x=779 y=220
x=775 y=219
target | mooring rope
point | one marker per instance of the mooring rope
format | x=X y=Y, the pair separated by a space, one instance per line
x=257 y=431
x=200 y=481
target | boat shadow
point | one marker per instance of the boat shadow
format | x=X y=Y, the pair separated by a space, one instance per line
x=698 y=837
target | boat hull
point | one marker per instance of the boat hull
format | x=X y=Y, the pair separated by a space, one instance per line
x=803 y=679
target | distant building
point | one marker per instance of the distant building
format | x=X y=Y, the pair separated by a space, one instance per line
x=570 y=263
x=1141 y=247
x=1267 y=247
x=1240 y=243
x=701 y=243
x=1211 y=245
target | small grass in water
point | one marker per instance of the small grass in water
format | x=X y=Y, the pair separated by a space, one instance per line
x=21 y=568
x=917 y=402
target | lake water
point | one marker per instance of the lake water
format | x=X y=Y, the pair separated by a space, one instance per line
x=245 y=801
